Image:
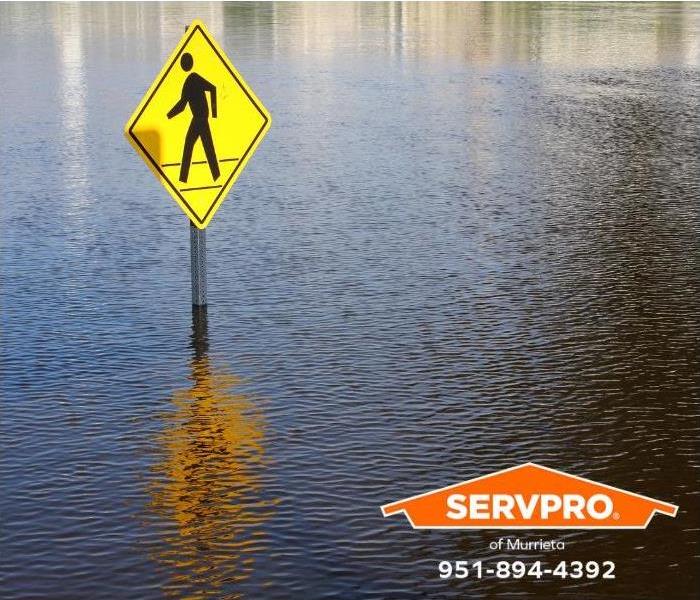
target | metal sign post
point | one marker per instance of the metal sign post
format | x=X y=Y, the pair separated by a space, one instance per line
x=198 y=264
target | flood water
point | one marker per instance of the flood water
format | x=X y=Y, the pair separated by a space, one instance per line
x=471 y=239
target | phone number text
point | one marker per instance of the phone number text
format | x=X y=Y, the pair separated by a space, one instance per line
x=517 y=569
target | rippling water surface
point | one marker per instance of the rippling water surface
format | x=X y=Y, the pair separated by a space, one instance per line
x=471 y=239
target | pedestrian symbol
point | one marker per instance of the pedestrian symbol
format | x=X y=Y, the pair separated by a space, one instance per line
x=193 y=93
x=198 y=125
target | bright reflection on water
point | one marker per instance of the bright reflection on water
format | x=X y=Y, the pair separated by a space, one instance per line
x=68 y=28
x=208 y=480
x=469 y=240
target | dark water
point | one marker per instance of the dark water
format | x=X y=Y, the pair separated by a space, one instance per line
x=471 y=239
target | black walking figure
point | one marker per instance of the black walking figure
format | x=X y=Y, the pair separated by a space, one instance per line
x=193 y=93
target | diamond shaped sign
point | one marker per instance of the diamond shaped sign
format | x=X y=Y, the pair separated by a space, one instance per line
x=198 y=125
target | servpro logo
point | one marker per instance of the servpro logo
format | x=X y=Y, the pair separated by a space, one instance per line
x=529 y=496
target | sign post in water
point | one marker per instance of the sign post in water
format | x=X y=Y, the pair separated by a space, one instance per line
x=196 y=128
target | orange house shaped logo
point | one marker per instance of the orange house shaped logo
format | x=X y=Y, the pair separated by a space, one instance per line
x=529 y=496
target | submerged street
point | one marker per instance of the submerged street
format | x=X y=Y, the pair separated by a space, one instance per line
x=468 y=241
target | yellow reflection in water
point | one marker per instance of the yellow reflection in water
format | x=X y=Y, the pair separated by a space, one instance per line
x=209 y=483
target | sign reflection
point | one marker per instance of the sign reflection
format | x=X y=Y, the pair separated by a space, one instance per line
x=208 y=488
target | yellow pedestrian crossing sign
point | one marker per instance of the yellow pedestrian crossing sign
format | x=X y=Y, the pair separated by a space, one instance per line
x=198 y=125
